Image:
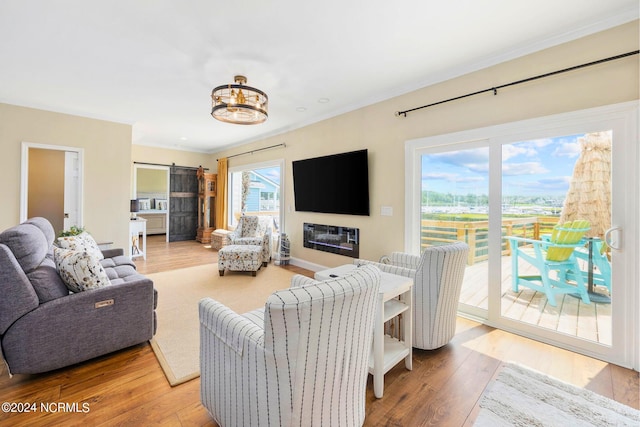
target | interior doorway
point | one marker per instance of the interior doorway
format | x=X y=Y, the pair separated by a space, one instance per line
x=51 y=184
x=151 y=183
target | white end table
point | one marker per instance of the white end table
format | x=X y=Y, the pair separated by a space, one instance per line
x=394 y=299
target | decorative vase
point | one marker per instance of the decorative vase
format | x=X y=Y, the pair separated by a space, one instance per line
x=284 y=249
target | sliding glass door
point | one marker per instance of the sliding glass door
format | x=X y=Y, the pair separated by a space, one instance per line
x=511 y=192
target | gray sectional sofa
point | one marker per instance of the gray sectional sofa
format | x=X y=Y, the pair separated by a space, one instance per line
x=44 y=326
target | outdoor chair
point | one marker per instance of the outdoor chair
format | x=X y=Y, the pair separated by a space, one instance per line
x=555 y=259
x=601 y=276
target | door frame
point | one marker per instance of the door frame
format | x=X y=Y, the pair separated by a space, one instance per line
x=24 y=177
x=134 y=193
x=623 y=119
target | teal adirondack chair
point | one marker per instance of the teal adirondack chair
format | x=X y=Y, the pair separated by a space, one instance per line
x=554 y=255
x=601 y=276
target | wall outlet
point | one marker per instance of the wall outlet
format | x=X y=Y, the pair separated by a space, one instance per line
x=386 y=211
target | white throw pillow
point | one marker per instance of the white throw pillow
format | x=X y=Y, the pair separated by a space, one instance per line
x=82 y=242
x=80 y=271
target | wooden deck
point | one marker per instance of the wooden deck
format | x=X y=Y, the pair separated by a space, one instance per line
x=571 y=316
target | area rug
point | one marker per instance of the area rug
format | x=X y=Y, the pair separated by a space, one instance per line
x=177 y=339
x=522 y=397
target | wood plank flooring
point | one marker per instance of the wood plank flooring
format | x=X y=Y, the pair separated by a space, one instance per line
x=128 y=388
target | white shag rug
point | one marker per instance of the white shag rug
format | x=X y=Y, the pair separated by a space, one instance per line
x=522 y=397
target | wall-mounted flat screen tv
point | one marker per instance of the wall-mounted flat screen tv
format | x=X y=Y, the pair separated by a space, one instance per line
x=337 y=184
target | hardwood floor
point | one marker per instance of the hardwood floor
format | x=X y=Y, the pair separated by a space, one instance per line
x=128 y=388
x=163 y=256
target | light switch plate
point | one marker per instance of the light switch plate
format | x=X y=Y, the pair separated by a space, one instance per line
x=386 y=211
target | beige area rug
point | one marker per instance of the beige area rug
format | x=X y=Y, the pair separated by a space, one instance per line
x=523 y=397
x=177 y=340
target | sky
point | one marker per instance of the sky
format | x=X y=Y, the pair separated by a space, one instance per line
x=272 y=173
x=538 y=167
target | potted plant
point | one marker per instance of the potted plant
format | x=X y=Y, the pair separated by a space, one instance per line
x=73 y=231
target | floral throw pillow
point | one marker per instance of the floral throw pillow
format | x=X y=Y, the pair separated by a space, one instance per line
x=82 y=242
x=80 y=271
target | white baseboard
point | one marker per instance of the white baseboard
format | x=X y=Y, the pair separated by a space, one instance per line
x=307 y=265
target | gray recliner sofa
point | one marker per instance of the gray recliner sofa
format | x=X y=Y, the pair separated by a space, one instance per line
x=44 y=326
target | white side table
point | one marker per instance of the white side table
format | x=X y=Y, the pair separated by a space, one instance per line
x=394 y=299
x=138 y=228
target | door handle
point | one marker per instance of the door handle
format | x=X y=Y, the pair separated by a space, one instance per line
x=609 y=241
x=66 y=215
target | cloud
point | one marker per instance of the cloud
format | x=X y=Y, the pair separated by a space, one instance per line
x=555 y=183
x=550 y=185
x=525 y=168
x=474 y=160
x=570 y=149
x=450 y=177
x=463 y=157
x=525 y=148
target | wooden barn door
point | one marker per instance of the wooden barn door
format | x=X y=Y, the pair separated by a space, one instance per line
x=183 y=215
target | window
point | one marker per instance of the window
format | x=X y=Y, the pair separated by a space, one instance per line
x=255 y=190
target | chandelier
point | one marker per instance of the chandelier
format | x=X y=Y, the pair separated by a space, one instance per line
x=239 y=104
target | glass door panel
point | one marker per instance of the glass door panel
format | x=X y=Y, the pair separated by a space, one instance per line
x=455 y=207
x=548 y=185
x=255 y=191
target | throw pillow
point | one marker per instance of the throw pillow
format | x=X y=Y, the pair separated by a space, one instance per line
x=80 y=271
x=82 y=242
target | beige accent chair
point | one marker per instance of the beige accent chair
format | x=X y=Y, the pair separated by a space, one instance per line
x=437 y=275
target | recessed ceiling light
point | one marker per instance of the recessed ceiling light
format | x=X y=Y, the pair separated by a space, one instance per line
x=183 y=138
x=301 y=109
x=323 y=100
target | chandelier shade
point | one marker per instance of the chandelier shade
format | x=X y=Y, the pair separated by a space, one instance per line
x=239 y=104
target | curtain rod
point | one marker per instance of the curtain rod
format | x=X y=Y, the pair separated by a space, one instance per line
x=172 y=165
x=257 y=149
x=540 y=76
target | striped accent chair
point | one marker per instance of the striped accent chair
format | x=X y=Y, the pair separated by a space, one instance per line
x=300 y=361
x=437 y=275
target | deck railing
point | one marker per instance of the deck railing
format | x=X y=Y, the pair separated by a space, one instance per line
x=476 y=233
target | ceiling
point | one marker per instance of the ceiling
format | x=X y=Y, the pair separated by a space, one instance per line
x=153 y=63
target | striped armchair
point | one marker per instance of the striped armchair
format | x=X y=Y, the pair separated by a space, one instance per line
x=437 y=275
x=302 y=360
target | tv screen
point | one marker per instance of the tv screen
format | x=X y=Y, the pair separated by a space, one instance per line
x=337 y=184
